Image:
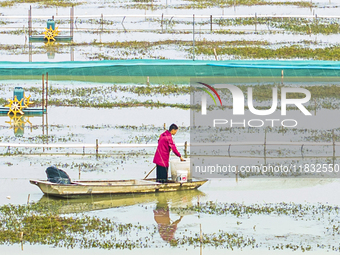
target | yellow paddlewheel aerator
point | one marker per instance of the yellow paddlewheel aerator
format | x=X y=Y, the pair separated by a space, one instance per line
x=26 y=101
x=51 y=33
x=15 y=106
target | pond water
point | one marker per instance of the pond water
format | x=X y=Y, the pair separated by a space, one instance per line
x=315 y=225
x=143 y=209
x=149 y=29
x=267 y=230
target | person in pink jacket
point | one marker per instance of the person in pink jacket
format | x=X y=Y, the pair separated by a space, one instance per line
x=162 y=155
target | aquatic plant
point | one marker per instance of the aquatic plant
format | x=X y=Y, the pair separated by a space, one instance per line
x=45 y=3
x=203 y=4
x=227 y=3
x=242 y=210
x=285 y=52
x=39 y=223
x=161 y=89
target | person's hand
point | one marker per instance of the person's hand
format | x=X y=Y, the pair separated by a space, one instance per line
x=182 y=159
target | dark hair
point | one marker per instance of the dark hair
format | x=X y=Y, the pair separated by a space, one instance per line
x=173 y=126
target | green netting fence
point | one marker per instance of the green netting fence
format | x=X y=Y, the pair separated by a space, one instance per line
x=129 y=70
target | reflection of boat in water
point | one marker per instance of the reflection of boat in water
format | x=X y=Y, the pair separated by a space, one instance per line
x=83 y=188
x=92 y=203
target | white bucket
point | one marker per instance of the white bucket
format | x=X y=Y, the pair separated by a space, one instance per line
x=177 y=165
x=182 y=176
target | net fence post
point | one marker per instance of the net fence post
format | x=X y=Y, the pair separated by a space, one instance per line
x=193 y=37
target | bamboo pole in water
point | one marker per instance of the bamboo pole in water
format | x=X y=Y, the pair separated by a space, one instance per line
x=46 y=94
x=43 y=92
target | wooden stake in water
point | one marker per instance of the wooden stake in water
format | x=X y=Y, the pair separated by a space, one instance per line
x=333 y=138
x=215 y=54
x=43 y=93
x=46 y=90
x=185 y=149
x=201 y=236
x=28 y=198
x=30 y=22
x=102 y=22
x=71 y=20
x=255 y=21
x=43 y=107
x=265 y=142
x=315 y=106
x=236 y=174
x=46 y=129
x=201 y=240
x=21 y=240
x=97 y=147
x=193 y=37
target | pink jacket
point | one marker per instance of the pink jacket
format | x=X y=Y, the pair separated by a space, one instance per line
x=165 y=144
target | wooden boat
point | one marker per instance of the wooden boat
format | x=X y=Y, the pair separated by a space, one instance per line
x=89 y=188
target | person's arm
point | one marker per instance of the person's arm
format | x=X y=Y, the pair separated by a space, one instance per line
x=174 y=149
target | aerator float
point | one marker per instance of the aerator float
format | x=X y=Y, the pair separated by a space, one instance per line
x=51 y=33
x=20 y=105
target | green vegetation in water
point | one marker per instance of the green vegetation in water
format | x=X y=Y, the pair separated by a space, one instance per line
x=219 y=239
x=44 y=3
x=10 y=46
x=202 y=4
x=242 y=210
x=3 y=101
x=273 y=25
x=324 y=97
x=163 y=89
x=299 y=25
x=225 y=50
x=39 y=223
x=286 y=52
x=147 y=44
x=121 y=104
x=236 y=49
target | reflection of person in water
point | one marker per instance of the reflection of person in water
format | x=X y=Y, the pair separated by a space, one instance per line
x=166 y=229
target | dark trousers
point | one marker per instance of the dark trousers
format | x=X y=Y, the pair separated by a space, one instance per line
x=161 y=174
